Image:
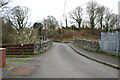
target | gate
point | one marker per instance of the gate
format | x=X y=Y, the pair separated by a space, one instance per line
x=110 y=42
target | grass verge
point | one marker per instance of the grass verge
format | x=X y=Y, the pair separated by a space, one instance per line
x=17 y=60
x=22 y=56
x=101 y=53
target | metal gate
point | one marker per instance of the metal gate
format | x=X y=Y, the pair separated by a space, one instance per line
x=110 y=42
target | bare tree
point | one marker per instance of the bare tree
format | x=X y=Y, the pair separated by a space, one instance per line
x=77 y=15
x=4 y=2
x=101 y=13
x=92 y=11
x=49 y=24
x=110 y=19
x=118 y=21
x=18 y=16
x=52 y=22
x=45 y=27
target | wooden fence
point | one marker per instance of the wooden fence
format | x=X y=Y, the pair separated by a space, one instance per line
x=19 y=49
x=27 y=49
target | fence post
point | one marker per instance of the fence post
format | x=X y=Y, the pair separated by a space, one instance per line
x=2 y=57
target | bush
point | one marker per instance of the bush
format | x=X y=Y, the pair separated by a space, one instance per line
x=8 y=34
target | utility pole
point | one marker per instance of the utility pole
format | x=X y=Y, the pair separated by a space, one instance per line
x=118 y=20
x=66 y=22
x=61 y=32
x=64 y=15
x=45 y=29
x=73 y=33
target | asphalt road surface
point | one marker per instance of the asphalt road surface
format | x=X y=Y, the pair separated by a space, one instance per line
x=60 y=61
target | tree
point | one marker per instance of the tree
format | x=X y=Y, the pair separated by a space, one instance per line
x=8 y=33
x=110 y=19
x=18 y=17
x=113 y=22
x=118 y=21
x=52 y=23
x=92 y=11
x=45 y=27
x=77 y=15
x=39 y=27
x=59 y=31
x=73 y=27
x=3 y=3
x=101 y=13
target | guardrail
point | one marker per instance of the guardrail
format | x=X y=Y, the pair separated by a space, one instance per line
x=27 y=49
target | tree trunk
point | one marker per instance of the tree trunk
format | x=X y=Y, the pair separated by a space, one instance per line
x=92 y=27
x=107 y=27
x=101 y=25
x=79 y=24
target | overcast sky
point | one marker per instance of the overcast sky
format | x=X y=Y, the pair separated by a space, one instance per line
x=42 y=8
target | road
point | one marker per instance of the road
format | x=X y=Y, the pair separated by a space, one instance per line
x=60 y=61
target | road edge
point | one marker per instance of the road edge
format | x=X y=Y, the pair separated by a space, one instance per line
x=95 y=59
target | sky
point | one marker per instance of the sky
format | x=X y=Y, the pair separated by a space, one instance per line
x=42 y=8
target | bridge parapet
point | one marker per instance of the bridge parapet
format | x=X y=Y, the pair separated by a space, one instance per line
x=42 y=46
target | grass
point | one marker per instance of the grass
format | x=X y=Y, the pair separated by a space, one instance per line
x=101 y=53
x=19 y=56
x=108 y=54
x=17 y=60
x=22 y=56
